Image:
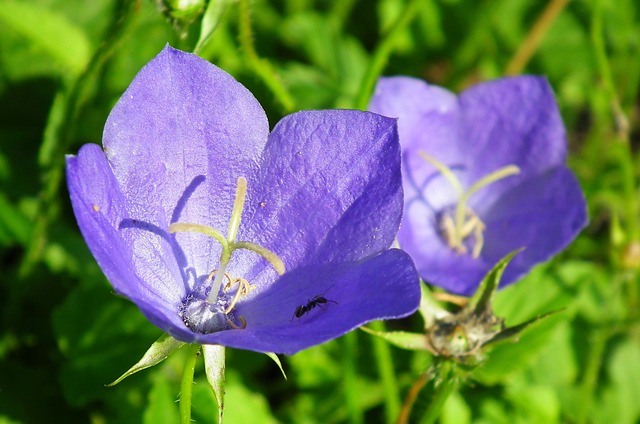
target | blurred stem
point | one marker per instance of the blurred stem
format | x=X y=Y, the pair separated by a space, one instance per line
x=411 y=397
x=429 y=393
x=59 y=132
x=597 y=38
x=624 y=155
x=382 y=53
x=384 y=362
x=350 y=378
x=340 y=11
x=597 y=346
x=260 y=66
x=534 y=37
x=186 y=386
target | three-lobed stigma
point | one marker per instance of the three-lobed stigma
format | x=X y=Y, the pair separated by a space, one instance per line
x=212 y=310
x=459 y=226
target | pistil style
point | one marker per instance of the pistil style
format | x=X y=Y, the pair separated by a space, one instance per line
x=465 y=222
x=229 y=245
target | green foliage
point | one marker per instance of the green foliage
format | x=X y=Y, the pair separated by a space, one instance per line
x=64 y=335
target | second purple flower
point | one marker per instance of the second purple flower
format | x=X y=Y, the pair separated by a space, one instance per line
x=484 y=174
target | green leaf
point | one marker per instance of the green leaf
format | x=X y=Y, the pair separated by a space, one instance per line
x=505 y=359
x=158 y=352
x=242 y=404
x=98 y=334
x=49 y=30
x=161 y=406
x=402 y=339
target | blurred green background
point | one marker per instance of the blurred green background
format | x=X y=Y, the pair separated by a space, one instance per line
x=64 y=334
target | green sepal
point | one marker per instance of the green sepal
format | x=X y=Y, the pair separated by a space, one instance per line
x=511 y=333
x=402 y=339
x=481 y=300
x=275 y=359
x=158 y=352
x=429 y=308
x=214 y=366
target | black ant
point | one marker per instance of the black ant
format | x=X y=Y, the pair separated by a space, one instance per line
x=316 y=301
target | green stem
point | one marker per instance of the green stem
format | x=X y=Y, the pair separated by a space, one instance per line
x=384 y=362
x=434 y=394
x=596 y=350
x=382 y=53
x=261 y=67
x=602 y=61
x=186 y=386
x=350 y=379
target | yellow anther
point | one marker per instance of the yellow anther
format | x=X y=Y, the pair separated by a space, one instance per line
x=233 y=325
x=465 y=222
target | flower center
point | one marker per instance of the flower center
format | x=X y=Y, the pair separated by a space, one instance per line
x=208 y=313
x=460 y=226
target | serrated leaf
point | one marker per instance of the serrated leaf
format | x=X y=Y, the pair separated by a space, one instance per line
x=158 y=352
x=402 y=339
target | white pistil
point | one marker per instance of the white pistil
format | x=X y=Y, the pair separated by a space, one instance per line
x=466 y=222
x=217 y=283
x=229 y=244
x=238 y=205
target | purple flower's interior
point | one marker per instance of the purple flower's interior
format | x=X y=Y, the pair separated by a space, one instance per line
x=324 y=193
x=513 y=121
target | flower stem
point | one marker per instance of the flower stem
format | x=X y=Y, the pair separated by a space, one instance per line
x=259 y=66
x=382 y=53
x=186 y=386
x=350 y=379
x=384 y=362
x=534 y=37
x=431 y=399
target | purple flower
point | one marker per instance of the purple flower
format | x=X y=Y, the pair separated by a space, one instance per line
x=484 y=174
x=222 y=233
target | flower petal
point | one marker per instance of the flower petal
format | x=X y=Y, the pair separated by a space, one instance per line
x=383 y=287
x=511 y=121
x=139 y=264
x=328 y=189
x=543 y=215
x=177 y=141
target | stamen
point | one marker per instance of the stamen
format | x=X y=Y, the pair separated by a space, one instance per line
x=199 y=317
x=233 y=325
x=243 y=289
x=465 y=221
x=491 y=178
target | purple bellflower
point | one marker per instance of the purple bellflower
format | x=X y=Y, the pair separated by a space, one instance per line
x=223 y=233
x=484 y=174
